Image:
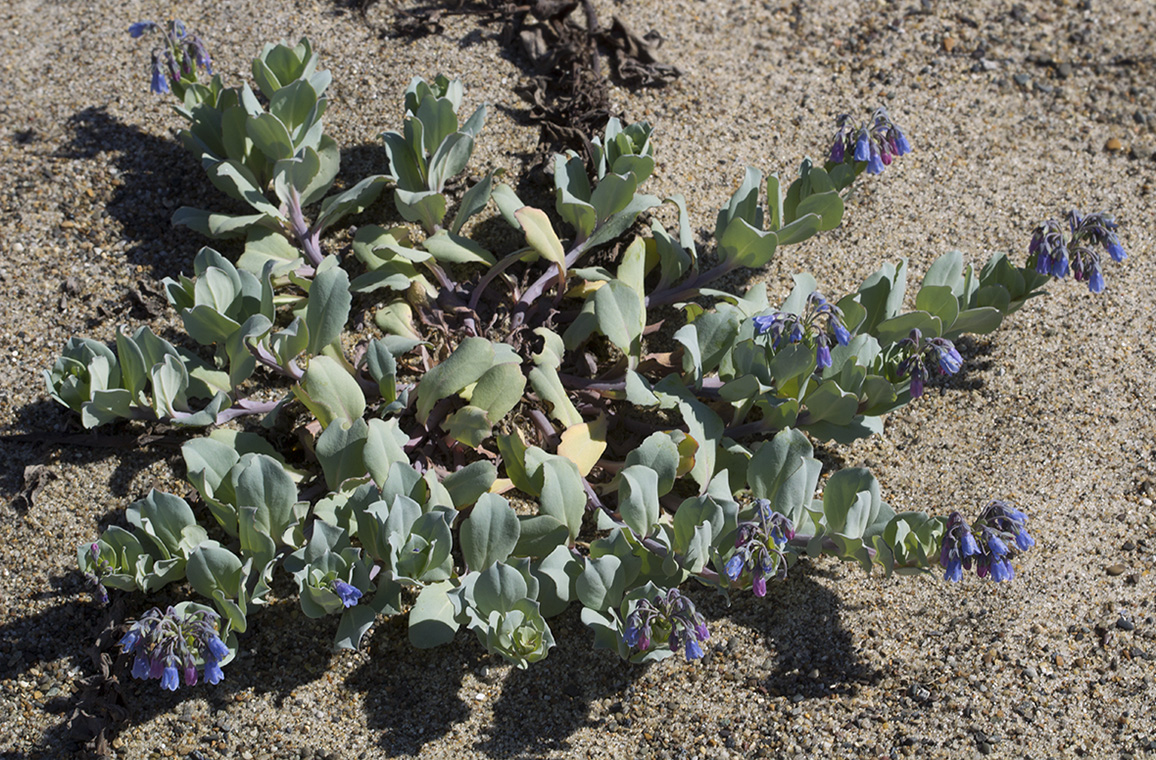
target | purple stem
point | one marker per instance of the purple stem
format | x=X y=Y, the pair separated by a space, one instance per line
x=535 y=291
x=245 y=407
x=309 y=240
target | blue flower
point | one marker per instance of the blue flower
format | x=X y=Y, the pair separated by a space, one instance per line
x=918 y=375
x=842 y=334
x=348 y=594
x=759 y=585
x=954 y=571
x=189 y=671
x=902 y=147
x=994 y=544
x=764 y=322
x=213 y=673
x=1096 y=281
x=160 y=83
x=796 y=334
x=1024 y=541
x=1059 y=265
x=1001 y=570
x=863 y=146
x=141 y=667
x=169 y=680
x=693 y=650
x=734 y=567
x=823 y=356
x=217 y=648
x=141 y=27
x=1115 y=250
x=948 y=358
x=130 y=640
x=838 y=150
x=874 y=163
x=967 y=545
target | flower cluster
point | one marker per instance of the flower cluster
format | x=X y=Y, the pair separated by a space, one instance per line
x=169 y=645
x=179 y=56
x=877 y=143
x=670 y=618
x=998 y=526
x=1051 y=253
x=925 y=357
x=760 y=548
x=793 y=328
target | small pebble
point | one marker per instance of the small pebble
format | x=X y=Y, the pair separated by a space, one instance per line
x=1114 y=145
x=1116 y=569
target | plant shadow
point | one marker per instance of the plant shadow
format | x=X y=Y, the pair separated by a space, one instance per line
x=791 y=618
x=108 y=703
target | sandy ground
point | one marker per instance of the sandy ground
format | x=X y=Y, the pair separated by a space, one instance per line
x=1017 y=113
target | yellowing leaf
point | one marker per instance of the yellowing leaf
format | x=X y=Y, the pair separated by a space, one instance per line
x=584 y=444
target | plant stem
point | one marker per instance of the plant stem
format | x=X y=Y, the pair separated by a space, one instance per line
x=690 y=288
x=309 y=240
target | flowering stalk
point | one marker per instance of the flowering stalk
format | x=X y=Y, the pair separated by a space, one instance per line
x=877 y=143
x=171 y=645
x=999 y=528
x=176 y=61
x=821 y=323
x=1051 y=252
x=670 y=618
x=761 y=548
x=927 y=356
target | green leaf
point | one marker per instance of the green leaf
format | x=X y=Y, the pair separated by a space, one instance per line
x=270 y=136
x=851 y=501
x=328 y=307
x=330 y=392
x=828 y=402
x=562 y=496
x=744 y=245
x=828 y=206
x=499 y=390
x=638 y=498
x=612 y=195
x=384 y=447
x=470 y=483
x=465 y=366
x=448 y=247
x=540 y=535
x=490 y=533
x=785 y=472
x=897 y=328
x=236 y=181
x=449 y=159
x=658 y=453
x=744 y=204
x=469 y=425
x=499 y=588
x=431 y=621
x=474 y=200
x=548 y=386
x=978 y=321
x=217 y=226
x=341 y=451
x=939 y=301
x=353 y=201
x=945 y=271
x=621 y=315
x=602 y=583
x=800 y=229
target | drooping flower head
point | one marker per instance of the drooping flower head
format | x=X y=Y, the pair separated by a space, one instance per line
x=170 y=645
x=999 y=528
x=177 y=58
x=925 y=357
x=876 y=143
x=1079 y=251
x=820 y=324
x=760 y=548
x=667 y=618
